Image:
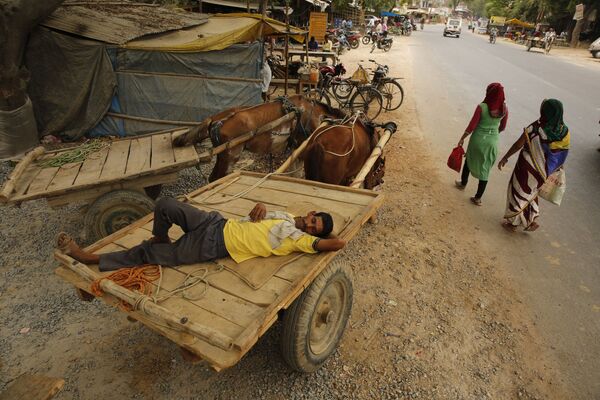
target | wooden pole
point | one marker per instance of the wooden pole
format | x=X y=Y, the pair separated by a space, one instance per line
x=207 y=156
x=377 y=151
x=153 y=120
x=162 y=314
x=10 y=183
x=298 y=152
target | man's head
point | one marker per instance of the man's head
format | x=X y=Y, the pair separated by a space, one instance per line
x=315 y=223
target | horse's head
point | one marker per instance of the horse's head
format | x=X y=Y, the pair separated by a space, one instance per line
x=312 y=114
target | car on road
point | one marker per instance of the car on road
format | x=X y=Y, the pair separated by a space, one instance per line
x=368 y=18
x=453 y=27
x=595 y=48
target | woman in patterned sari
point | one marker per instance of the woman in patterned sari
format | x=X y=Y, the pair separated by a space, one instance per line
x=544 y=147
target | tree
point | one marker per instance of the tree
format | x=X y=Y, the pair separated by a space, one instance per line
x=17 y=19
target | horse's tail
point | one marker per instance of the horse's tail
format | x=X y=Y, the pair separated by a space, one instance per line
x=314 y=162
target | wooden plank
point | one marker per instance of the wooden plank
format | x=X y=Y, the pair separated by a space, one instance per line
x=33 y=387
x=26 y=179
x=162 y=151
x=186 y=153
x=64 y=177
x=240 y=207
x=140 y=153
x=87 y=195
x=92 y=167
x=218 y=358
x=116 y=160
x=42 y=180
x=309 y=189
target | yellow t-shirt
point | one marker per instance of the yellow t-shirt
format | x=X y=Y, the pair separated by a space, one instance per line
x=246 y=240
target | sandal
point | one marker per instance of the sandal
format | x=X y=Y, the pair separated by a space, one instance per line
x=532 y=227
x=459 y=185
x=476 y=201
x=63 y=242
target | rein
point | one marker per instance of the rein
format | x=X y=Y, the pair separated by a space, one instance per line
x=344 y=123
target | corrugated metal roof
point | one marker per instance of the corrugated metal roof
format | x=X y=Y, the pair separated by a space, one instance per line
x=119 y=22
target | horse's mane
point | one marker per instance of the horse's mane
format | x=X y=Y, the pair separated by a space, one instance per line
x=334 y=112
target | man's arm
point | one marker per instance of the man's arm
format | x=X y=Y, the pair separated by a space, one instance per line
x=329 y=244
x=258 y=212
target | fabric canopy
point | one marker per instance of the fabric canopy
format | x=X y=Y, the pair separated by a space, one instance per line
x=518 y=22
x=221 y=31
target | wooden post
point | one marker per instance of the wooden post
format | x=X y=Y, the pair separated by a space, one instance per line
x=377 y=151
x=153 y=310
x=10 y=183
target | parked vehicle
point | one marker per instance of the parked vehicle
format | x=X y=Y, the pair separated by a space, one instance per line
x=354 y=39
x=595 y=48
x=453 y=27
x=369 y=37
x=390 y=88
x=383 y=42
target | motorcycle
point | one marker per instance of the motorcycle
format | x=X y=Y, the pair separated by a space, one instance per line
x=383 y=42
x=353 y=39
x=406 y=28
x=342 y=42
x=492 y=37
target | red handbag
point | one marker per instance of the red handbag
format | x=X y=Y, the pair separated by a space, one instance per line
x=455 y=159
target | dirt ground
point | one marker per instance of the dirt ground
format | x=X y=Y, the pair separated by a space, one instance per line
x=434 y=315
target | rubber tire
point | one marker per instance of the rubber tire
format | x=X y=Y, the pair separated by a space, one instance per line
x=366 y=39
x=529 y=45
x=373 y=93
x=354 y=44
x=297 y=320
x=99 y=217
x=153 y=191
x=444 y=35
x=318 y=95
x=392 y=105
x=596 y=54
x=336 y=88
x=386 y=47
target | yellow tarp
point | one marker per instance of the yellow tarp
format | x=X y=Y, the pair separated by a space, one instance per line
x=518 y=22
x=220 y=32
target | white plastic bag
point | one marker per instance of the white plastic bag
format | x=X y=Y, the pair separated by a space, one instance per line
x=553 y=189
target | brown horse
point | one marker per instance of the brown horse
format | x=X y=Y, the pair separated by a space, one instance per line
x=336 y=153
x=233 y=123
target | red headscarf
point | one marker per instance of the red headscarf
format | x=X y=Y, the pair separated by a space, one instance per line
x=494 y=98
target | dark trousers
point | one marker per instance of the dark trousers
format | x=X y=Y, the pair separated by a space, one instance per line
x=202 y=240
x=465 y=178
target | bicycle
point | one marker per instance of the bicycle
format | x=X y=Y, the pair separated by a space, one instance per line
x=350 y=94
x=390 y=89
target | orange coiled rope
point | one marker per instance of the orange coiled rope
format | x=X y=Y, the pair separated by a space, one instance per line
x=137 y=279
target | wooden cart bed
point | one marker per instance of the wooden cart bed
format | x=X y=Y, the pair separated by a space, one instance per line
x=136 y=162
x=231 y=306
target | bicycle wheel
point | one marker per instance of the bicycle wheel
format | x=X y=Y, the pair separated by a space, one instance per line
x=318 y=95
x=368 y=101
x=341 y=89
x=392 y=94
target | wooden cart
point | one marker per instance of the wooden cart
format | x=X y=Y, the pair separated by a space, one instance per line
x=119 y=182
x=243 y=300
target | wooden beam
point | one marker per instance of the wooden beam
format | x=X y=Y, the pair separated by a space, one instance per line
x=9 y=185
x=33 y=387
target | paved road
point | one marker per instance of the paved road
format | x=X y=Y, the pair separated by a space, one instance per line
x=558 y=267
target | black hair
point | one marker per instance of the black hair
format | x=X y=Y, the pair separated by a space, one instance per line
x=327 y=224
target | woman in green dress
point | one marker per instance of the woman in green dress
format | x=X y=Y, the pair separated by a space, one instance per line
x=488 y=121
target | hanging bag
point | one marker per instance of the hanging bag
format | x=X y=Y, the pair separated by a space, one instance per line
x=553 y=189
x=455 y=159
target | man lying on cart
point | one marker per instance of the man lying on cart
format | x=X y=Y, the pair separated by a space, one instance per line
x=209 y=236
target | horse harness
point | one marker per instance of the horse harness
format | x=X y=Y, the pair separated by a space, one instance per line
x=214 y=130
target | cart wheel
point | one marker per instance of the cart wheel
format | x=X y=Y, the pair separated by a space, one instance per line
x=153 y=191
x=115 y=210
x=314 y=324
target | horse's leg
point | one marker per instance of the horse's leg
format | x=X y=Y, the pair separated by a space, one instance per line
x=221 y=166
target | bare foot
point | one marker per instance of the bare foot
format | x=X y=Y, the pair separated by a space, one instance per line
x=66 y=244
x=509 y=227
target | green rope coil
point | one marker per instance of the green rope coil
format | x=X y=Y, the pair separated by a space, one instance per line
x=77 y=155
